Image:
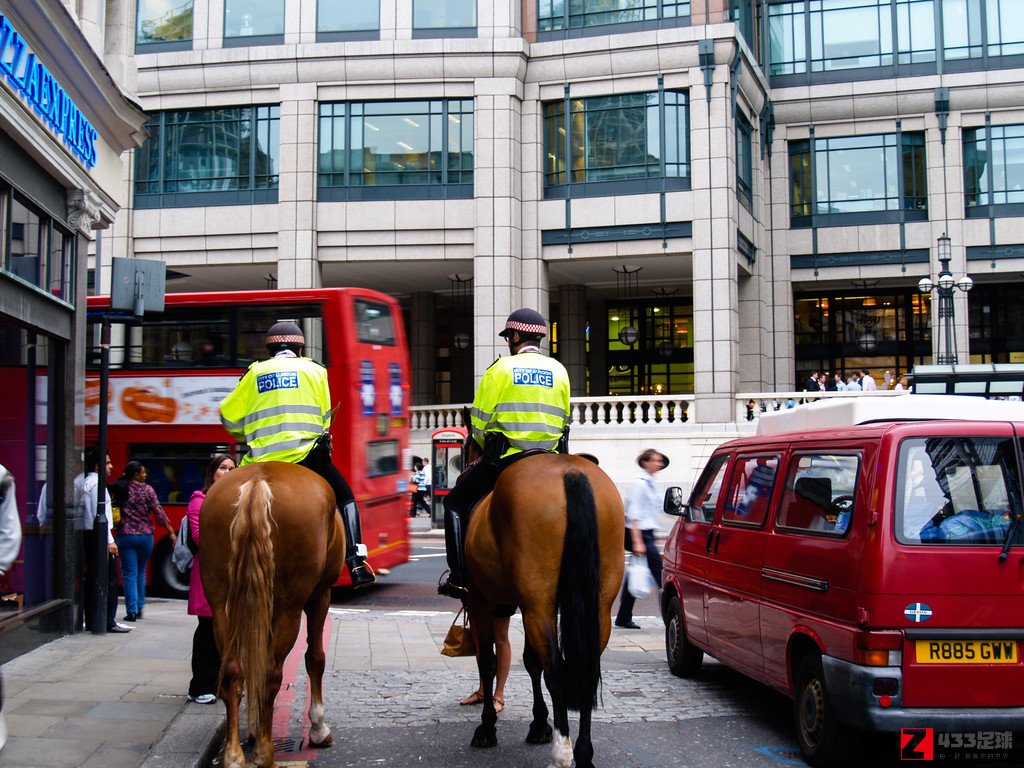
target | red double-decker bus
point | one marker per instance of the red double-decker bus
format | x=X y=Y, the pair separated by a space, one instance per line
x=170 y=371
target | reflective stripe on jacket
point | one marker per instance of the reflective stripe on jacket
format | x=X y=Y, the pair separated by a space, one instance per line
x=280 y=407
x=526 y=398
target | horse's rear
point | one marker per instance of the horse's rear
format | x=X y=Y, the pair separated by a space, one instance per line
x=549 y=539
x=272 y=546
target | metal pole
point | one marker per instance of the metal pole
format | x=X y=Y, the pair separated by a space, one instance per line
x=99 y=589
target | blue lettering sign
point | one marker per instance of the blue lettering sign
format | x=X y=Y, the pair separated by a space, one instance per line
x=534 y=377
x=32 y=81
x=268 y=382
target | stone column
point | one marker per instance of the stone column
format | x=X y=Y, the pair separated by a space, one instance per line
x=715 y=295
x=422 y=340
x=298 y=265
x=502 y=279
x=572 y=335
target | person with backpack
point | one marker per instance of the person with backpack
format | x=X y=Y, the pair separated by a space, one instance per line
x=202 y=688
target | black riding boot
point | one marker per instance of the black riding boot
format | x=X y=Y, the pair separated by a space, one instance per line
x=355 y=550
x=455 y=585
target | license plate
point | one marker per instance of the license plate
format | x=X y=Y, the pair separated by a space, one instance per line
x=966 y=651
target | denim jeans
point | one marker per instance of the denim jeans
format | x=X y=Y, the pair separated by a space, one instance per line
x=135 y=549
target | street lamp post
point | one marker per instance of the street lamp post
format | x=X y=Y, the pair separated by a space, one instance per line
x=945 y=285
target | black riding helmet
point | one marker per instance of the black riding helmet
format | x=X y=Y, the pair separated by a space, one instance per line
x=285 y=335
x=528 y=322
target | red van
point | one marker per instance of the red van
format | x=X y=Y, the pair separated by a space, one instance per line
x=864 y=557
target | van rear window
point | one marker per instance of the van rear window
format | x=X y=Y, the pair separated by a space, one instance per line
x=956 y=490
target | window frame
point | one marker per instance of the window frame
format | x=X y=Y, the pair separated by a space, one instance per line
x=153 y=189
x=341 y=35
x=420 y=32
x=656 y=14
x=440 y=114
x=997 y=145
x=161 y=46
x=585 y=116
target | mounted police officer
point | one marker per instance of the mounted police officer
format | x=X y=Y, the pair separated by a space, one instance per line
x=282 y=408
x=522 y=405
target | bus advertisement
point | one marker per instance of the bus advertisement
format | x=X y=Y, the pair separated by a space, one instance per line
x=170 y=371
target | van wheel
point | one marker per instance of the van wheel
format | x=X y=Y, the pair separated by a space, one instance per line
x=824 y=741
x=167 y=579
x=684 y=658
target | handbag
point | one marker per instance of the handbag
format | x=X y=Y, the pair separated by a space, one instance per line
x=459 y=641
x=639 y=579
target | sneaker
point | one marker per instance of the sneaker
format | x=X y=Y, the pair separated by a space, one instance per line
x=130 y=617
x=119 y=628
x=203 y=698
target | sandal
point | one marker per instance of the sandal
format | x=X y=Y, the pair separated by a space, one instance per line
x=474 y=698
x=499 y=703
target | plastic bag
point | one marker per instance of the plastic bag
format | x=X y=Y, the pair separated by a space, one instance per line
x=639 y=579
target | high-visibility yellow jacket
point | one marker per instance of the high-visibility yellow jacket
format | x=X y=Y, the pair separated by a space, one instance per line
x=526 y=398
x=279 y=407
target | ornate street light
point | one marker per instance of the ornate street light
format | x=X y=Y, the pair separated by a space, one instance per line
x=460 y=301
x=627 y=278
x=945 y=285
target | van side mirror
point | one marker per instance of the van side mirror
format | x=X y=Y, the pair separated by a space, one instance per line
x=674 y=504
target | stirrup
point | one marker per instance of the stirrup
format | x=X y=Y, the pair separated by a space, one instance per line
x=447 y=588
x=362 y=574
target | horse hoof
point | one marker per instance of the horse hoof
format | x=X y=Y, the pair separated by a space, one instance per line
x=322 y=744
x=484 y=738
x=539 y=734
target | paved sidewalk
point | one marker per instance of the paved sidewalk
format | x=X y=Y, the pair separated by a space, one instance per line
x=118 y=701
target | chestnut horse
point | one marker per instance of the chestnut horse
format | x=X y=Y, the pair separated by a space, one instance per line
x=272 y=547
x=548 y=539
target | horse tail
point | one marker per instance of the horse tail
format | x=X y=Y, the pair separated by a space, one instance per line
x=249 y=606
x=577 y=660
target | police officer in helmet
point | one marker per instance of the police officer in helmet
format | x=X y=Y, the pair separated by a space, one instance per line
x=522 y=404
x=281 y=407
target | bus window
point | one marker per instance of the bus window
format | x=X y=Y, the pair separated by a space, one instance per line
x=373 y=323
x=382 y=458
x=175 y=469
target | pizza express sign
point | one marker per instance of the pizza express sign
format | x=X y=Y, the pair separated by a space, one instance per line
x=30 y=79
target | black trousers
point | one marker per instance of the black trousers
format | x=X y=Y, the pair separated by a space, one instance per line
x=627 y=601
x=326 y=469
x=205 y=659
x=92 y=571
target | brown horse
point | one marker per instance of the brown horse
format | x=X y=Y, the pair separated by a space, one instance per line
x=272 y=546
x=548 y=539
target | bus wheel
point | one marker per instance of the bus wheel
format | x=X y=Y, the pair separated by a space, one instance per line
x=167 y=579
x=825 y=742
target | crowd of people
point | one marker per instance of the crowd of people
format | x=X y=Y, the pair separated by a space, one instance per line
x=857 y=381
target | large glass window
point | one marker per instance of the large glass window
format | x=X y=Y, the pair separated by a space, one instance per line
x=34 y=248
x=444 y=15
x=253 y=21
x=225 y=156
x=347 y=18
x=573 y=14
x=975 y=28
x=858 y=174
x=812 y=36
x=163 y=21
x=617 y=138
x=396 y=149
x=993 y=166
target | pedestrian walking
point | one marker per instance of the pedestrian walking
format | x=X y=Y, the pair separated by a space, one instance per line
x=642 y=502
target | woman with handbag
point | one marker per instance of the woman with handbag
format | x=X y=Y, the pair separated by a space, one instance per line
x=642 y=502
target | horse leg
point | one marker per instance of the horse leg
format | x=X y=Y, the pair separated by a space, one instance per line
x=584 y=749
x=561 y=749
x=231 y=694
x=486 y=734
x=316 y=615
x=263 y=752
x=540 y=731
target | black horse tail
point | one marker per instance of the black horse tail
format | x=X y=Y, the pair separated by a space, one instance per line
x=577 y=659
